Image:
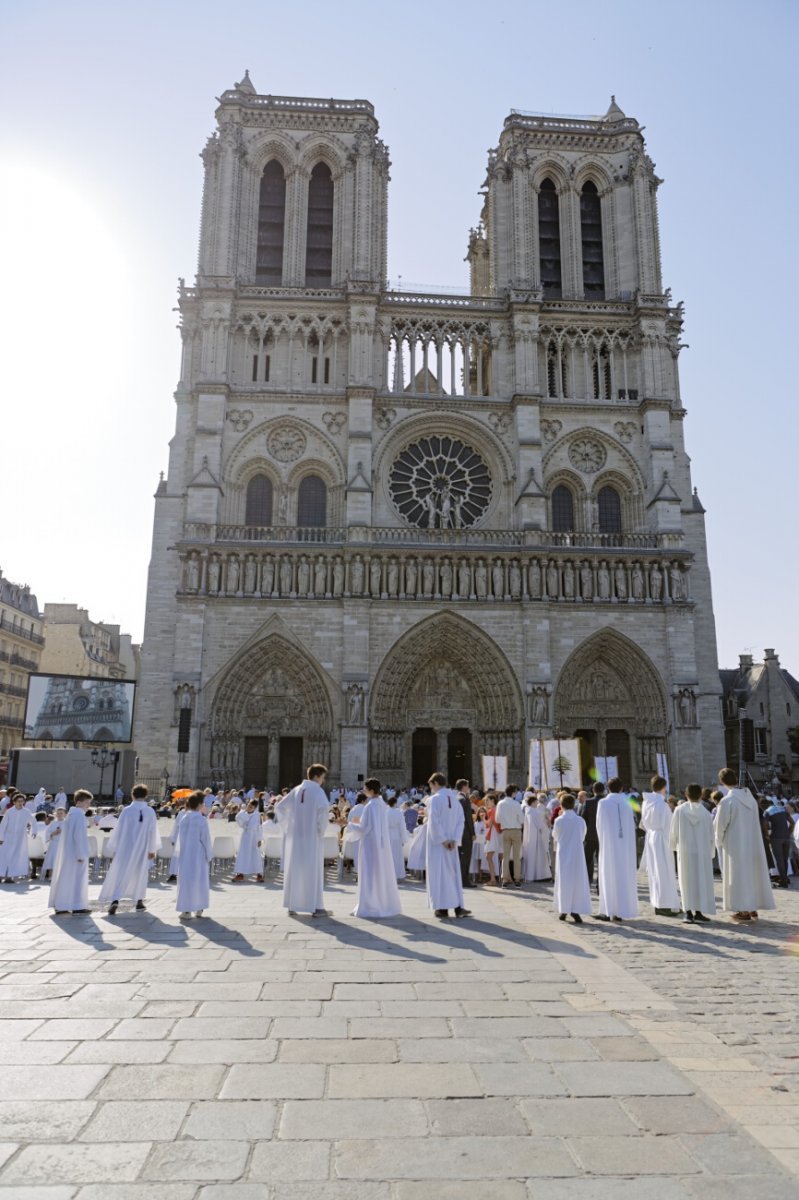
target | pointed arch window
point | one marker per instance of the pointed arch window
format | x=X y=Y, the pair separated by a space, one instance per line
x=259 y=501
x=609 y=510
x=271 y=225
x=591 y=234
x=319 y=240
x=549 y=239
x=312 y=502
x=562 y=509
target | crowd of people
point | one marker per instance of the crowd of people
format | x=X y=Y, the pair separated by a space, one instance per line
x=454 y=838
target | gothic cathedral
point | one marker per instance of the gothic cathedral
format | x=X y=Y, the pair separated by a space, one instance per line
x=401 y=529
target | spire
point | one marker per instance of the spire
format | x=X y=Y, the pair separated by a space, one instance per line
x=614 y=113
x=246 y=85
x=696 y=503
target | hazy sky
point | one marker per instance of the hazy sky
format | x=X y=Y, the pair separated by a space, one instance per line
x=106 y=107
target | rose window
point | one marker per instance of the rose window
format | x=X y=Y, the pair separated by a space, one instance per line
x=440 y=483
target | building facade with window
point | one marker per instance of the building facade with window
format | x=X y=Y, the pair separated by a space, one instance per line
x=21 y=642
x=403 y=529
x=761 y=721
x=74 y=644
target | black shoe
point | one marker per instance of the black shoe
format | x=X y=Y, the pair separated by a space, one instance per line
x=698 y=916
x=666 y=912
x=63 y=912
x=442 y=914
x=140 y=906
x=688 y=919
x=578 y=920
x=112 y=908
x=601 y=917
x=517 y=885
x=616 y=919
x=463 y=912
x=171 y=878
x=562 y=916
x=82 y=912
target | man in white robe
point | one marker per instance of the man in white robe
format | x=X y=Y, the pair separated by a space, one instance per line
x=444 y=831
x=50 y=839
x=194 y=850
x=304 y=817
x=133 y=843
x=746 y=884
x=572 y=890
x=536 y=863
x=248 y=859
x=615 y=826
x=69 y=890
x=15 y=827
x=397 y=835
x=658 y=858
x=692 y=837
x=378 y=894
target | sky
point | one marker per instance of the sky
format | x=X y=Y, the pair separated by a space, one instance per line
x=107 y=107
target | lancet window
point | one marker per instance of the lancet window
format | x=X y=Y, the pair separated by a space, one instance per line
x=271 y=226
x=549 y=239
x=562 y=509
x=258 y=509
x=609 y=510
x=319 y=239
x=591 y=236
x=312 y=502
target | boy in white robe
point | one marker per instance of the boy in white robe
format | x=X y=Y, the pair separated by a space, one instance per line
x=618 y=865
x=50 y=839
x=746 y=884
x=69 y=890
x=248 y=859
x=353 y=819
x=194 y=850
x=417 y=852
x=304 y=817
x=378 y=894
x=692 y=837
x=445 y=821
x=397 y=835
x=15 y=827
x=133 y=843
x=658 y=859
x=536 y=863
x=572 y=890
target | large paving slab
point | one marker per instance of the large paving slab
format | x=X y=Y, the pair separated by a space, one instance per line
x=253 y=1056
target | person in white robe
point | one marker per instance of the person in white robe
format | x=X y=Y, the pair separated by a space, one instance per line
x=692 y=838
x=417 y=852
x=658 y=859
x=478 y=846
x=445 y=821
x=194 y=850
x=572 y=891
x=50 y=839
x=174 y=861
x=134 y=844
x=248 y=859
x=353 y=819
x=536 y=863
x=378 y=894
x=15 y=828
x=398 y=836
x=303 y=815
x=40 y=799
x=746 y=884
x=60 y=799
x=615 y=826
x=69 y=890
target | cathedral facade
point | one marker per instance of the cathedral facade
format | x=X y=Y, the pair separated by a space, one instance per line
x=400 y=530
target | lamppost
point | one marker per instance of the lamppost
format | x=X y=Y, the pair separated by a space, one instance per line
x=101 y=759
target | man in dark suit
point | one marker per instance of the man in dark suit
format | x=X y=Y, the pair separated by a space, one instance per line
x=588 y=811
x=467 y=841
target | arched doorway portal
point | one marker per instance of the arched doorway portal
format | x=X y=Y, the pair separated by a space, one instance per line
x=444 y=695
x=610 y=695
x=270 y=716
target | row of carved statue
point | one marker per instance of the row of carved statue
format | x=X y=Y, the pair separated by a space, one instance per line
x=412 y=576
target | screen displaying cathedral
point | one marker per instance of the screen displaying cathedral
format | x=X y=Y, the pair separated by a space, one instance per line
x=401 y=530
x=78 y=708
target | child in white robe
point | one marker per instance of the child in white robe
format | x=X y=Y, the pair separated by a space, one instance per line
x=398 y=836
x=536 y=863
x=572 y=892
x=248 y=859
x=417 y=854
x=16 y=825
x=134 y=844
x=658 y=860
x=195 y=851
x=378 y=894
x=692 y=836
x=50 y=839
x=69 y=890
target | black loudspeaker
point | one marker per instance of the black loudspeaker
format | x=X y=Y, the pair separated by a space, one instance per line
x=747 y=740
x=184 y=730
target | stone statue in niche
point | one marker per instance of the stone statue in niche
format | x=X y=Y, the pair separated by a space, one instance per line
x=620 y=582
x=193 y=573
x=481 y=580
x=338 y=577
x=586 y=582
x=319 y=576
x=303 y=576
x=428 y=578
x=676 y=582
x=539 y=707
x=553 y=583
x=214 y=571
x=445 y=575
x=464 y=579
x=356 y=576
x=568 y=581
x=233 y=575
x=655 y=583
x=534 y=579
x=285 y=576
x=250 y=575
x=283 y=506
x=374 y=577
x=410 y=578
x=268 y=576
x=392 y=577
x=498 y=579
x=515 y=577
x=686 y=707
x=637 y=578
x=355 y=700
x=603 y=581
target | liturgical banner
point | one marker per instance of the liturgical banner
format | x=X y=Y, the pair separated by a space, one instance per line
x=555 y=763
x=495 y=772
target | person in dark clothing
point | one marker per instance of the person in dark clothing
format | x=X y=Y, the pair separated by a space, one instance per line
x=467 y=840
x=779 y=828
x=588 y=813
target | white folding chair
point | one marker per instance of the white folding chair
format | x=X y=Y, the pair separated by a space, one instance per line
x=273 y=849
x=164 y=853
x=36 y=850
x=224 y=851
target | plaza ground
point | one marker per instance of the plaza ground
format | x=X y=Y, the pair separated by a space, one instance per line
x=252 y=1056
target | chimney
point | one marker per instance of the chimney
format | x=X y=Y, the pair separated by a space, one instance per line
x=770 y=656
x=745 y=662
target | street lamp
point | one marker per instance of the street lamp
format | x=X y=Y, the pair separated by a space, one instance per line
x=101 y=759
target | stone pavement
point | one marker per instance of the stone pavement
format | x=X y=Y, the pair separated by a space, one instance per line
x=251 y=1056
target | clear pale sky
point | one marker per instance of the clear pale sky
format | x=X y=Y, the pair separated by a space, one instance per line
x=106 y=107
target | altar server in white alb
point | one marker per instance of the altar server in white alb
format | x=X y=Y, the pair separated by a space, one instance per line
x=378 y=894
x=195 y=851
x=350 y=833
x=50 y=839
x=692 y=837
x=615 y=826
x=417 y=851
x=536 y=862
x=445 y=821
x=16 y=825
x=658 y=861
x=304 y=816
x=134 y=844
x=248 y=859
x=69 y=890
x=572 y=891
x=745 y=876
x=397 y=835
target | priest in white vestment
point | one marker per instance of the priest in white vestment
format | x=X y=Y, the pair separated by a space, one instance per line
x=69 y=890
x=398 y=836
x=50 y=839
x=16 y=825
x=536 y=863
x=615 y=826
x=658 y=858
x=692 y=837
x=134 y=844
x=746 y=883
x=445 y=821
x=572 y=891
x=378 y=894
x=195 y=851
x=248 y=859
x=304 y=817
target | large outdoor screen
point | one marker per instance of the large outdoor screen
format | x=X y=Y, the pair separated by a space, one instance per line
x=73 y=708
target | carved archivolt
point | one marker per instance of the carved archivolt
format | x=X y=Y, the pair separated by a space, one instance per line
x=609 y=682
x=287 y=443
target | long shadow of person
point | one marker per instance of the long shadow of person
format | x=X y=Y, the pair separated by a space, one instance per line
x=149 y=928
x=232 y=939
